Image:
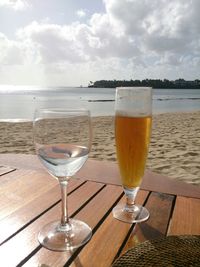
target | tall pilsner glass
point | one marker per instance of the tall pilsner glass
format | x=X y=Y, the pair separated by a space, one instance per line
x=63 y=139
x=133 y=119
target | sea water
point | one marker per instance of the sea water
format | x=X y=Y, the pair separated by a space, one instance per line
x=20 y=102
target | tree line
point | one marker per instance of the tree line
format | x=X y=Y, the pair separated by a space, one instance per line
x=154 y=83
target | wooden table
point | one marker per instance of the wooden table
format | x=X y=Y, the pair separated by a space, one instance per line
x=29 y=198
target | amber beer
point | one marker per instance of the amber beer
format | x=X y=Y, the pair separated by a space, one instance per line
x=132 y=136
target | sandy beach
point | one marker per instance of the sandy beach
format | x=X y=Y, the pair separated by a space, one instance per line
x=174 y=149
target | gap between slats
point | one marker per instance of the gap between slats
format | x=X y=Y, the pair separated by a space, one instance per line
x=157 y=204
x=75 y=254
x=71 y=216
x=39 y=215
x=6 y=169
x=106 y=241
x=44 y=256
x=129 y=232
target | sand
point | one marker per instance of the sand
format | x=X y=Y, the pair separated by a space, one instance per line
x=174 y=149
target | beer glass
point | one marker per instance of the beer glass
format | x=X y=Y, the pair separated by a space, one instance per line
x=62 y=140
x=133 y=119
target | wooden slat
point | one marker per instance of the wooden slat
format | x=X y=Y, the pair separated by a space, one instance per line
x=92 y=214
x=26 y=194
x=107 y=172
x=159 y=206
x=106 y=242
x=21 y=161
x=104 y=245
x=22 y=187
x=161 y=183
x=22 y=244
x=8 y=178
x=30 y=210
x=186 y=217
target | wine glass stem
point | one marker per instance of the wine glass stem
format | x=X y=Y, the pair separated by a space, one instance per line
x=64 y=216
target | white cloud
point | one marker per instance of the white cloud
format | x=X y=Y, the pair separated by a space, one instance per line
x=15 y=4
x=53 y=43
x=156 y=39
x=81 y=13
x=12 y=52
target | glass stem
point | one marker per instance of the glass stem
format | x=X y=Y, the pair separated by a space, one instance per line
x=64 y=216
x=130 y=198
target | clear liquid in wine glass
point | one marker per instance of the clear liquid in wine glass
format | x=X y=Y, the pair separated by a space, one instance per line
x=63 y=160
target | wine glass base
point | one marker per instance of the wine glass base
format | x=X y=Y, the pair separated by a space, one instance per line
x=139 y=214
x=52 y=236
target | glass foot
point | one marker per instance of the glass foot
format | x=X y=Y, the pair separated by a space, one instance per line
x=139 y=214
x=55 y=237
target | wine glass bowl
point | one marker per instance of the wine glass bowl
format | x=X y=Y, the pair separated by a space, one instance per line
x=63 y=141
x=133 y=116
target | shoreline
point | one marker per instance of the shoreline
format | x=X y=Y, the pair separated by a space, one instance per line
x=174 y=149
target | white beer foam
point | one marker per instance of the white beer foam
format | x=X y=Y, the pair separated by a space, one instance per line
x=132 y=113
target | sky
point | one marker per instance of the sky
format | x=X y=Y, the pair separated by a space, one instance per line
x=73 y=42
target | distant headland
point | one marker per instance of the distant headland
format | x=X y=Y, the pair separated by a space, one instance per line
x=154 y=83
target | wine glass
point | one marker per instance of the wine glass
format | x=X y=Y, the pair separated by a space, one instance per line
x=63 y=140
x=133 y=119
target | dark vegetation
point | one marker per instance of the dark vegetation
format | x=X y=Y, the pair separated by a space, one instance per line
x=154 y=83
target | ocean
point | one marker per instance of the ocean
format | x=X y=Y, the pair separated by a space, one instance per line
x=17 y=103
